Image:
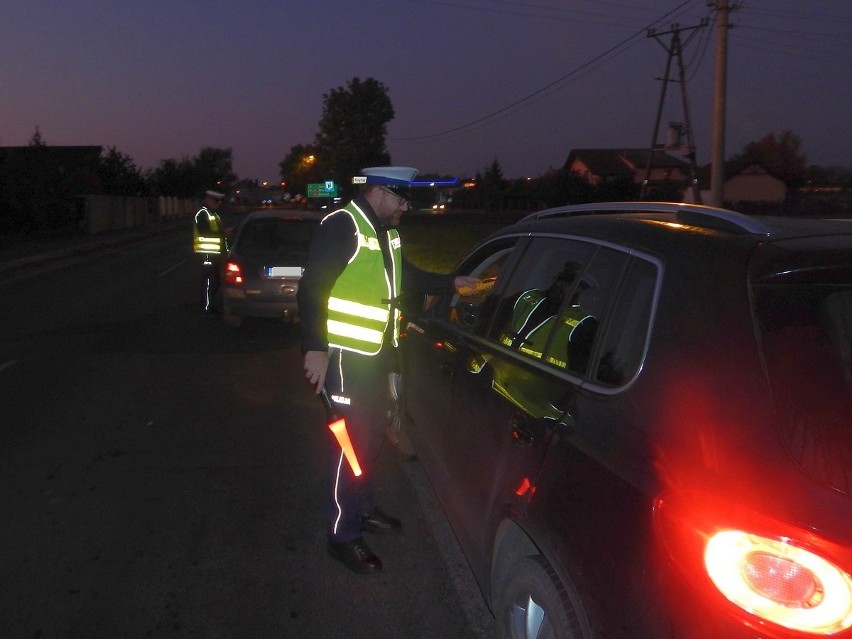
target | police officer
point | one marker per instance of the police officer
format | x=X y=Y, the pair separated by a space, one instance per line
x=208 y=243
x=350 y=326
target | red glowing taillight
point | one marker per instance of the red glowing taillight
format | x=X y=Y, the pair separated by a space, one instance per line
x=772 y=572
x=233 y=274
x=780 y=582
x=783 y=580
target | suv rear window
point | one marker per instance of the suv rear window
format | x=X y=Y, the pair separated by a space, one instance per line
x=805 y=326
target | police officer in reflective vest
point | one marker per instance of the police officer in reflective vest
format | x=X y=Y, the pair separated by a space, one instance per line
x=350 y=326
x=208 y=243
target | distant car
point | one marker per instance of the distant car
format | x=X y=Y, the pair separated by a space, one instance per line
x=265 y=262
x=640 y=426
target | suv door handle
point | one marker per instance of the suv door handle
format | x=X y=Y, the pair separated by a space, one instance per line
x=522 y=435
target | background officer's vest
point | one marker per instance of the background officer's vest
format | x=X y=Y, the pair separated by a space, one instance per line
x=207 y=235
x=359 y=307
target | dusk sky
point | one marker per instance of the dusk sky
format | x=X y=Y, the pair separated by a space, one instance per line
x=521 y=81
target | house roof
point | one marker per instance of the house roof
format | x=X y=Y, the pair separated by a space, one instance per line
x=732 y=168
x=61 y=158
x=617 y=162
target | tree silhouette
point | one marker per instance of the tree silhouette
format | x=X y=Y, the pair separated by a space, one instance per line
x=352 y=129
x=118 y=174
x=300 y=168
x=782 y=155
x=190 y=177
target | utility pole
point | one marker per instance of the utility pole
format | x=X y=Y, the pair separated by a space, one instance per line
x=717 y=155
x=674 y=50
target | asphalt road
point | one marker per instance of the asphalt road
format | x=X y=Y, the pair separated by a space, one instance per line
x=162 y=476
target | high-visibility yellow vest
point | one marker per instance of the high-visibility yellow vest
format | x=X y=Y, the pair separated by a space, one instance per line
x=360 y=307
x=531 y=337
x=207 y=234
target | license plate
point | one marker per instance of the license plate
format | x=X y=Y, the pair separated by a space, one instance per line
x=284 y=271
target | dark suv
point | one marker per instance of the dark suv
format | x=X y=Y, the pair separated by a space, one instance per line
x=640 y=426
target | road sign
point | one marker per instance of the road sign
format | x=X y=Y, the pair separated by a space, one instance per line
x=323 y=189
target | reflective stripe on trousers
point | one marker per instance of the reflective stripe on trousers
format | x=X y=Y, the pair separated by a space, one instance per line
x=362 y=380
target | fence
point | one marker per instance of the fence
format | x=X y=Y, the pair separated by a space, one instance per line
x=111 y=212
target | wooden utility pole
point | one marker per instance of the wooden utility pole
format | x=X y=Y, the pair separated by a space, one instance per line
x=717 y=154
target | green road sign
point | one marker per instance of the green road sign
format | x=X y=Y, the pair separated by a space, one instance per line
x=323 y=189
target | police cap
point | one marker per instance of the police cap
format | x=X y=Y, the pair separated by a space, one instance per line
x=396 y=179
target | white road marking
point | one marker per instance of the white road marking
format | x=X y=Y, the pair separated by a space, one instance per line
x=172 y=268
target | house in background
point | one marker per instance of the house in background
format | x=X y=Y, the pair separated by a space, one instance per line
x=44 y=187
x=74 y=169
x=597 y=166
x=745 y=181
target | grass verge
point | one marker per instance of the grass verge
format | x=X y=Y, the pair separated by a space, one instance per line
x=438 y=244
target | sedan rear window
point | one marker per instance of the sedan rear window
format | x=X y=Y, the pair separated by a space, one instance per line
x=276 y=240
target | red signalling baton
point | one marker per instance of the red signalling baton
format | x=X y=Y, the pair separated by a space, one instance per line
x=338 y=426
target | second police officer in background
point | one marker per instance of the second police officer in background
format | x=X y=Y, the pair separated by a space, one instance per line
x=349 y=322
x=208 y=244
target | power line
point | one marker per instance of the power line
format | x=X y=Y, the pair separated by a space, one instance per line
x=700 y=51
x=525 y=14
x=798 y=17
x=562 y=14
x=547 y=89
x=795 y=32
x=814 y=54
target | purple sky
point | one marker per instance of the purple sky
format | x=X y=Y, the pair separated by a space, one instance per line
x=162 y=79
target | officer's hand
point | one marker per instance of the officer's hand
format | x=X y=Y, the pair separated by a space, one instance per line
x=468 y=285
x=316 y=365
x=465 y=281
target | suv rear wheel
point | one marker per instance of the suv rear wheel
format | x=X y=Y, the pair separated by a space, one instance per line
x=534 y=605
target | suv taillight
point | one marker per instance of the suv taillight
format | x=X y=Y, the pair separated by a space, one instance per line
x=774 y=573
x=233 y=274
x=780 y=582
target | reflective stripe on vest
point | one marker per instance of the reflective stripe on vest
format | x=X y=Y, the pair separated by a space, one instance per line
x=358 y=310
x=531 y=340
x=210 y=238
x=208 y=244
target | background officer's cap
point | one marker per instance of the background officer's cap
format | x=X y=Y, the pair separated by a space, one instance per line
x=215 y=195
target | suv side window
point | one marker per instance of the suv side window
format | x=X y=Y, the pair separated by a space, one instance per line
x=588 y=309
x=575 y=305
x=540 y=312
x=472 y=309
x=623 y=347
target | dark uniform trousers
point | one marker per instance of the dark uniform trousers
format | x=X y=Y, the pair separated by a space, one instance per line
x=210 y=265
x=362 y=380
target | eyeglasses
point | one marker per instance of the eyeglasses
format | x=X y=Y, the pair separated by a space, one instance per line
x=403 y=201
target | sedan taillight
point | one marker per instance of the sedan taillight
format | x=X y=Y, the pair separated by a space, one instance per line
x=233 y=274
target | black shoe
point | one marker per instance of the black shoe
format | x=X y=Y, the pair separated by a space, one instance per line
x=376 y=521
x=357 y=556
